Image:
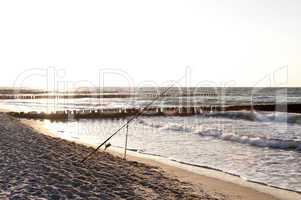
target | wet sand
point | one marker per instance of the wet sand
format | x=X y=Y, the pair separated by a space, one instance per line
x=213 y=182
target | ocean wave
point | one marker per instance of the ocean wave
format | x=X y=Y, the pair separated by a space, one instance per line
x=153 y=125
x=168 y=126
x=177 y=127
x=254 y=141
x=259 y=116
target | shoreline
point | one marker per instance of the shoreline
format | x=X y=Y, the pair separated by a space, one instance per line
x=212 y=181
x=197 y=175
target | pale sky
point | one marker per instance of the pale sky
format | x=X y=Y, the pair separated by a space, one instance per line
x=222 y=41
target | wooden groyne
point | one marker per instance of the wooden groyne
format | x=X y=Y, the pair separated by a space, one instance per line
x=65 y=96
x=77 y=96
x=153 y=111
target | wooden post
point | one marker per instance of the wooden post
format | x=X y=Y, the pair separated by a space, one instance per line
x=126 y=141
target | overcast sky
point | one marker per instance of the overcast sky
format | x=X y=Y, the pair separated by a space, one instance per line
x=238 y=41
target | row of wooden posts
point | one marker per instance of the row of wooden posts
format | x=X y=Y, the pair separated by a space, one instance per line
x=153 y=111
x=113 y=112
x=66 y=96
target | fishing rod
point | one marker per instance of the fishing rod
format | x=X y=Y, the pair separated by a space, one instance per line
x=128 y=122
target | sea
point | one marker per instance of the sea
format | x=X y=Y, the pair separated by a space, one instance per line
x=259 y=146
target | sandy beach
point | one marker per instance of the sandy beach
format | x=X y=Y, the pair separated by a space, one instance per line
x=40 y=166
x=36 y=166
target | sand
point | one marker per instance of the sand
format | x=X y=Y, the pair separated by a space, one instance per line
x=35 y=165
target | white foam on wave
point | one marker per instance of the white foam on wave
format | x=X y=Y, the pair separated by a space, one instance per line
x=259 y=116
x=166 y=126
x=176 y=127
x=254 y=141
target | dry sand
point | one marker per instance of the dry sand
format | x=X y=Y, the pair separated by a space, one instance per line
x=36 y=166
